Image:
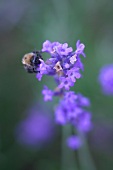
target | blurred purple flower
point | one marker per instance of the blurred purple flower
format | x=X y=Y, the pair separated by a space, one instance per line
x=60 y=116
x=70 y=97
x=35 y=130
x=84 y=123
x=48 y=94
x=106 y=79
x=71 y=110
x=74 y=142
x=83 y=101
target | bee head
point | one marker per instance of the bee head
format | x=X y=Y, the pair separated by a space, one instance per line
x=26 y=60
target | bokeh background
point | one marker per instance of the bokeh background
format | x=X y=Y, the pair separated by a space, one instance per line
x=24 y=26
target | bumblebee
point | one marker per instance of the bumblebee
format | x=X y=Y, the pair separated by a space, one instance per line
x=31 y=61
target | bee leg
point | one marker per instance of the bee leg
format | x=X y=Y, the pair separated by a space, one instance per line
x=30 y=71
x=35 y=70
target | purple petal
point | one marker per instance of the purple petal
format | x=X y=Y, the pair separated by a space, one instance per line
x=74 y=142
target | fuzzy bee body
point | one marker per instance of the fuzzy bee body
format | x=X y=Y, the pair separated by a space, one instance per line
x=31 y=61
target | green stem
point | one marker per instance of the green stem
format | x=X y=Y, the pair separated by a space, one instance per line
x=68 y=155
x=85 y=159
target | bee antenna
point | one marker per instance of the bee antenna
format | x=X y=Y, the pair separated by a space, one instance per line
x=40 y=51
x=37 y=51
x=34 y=51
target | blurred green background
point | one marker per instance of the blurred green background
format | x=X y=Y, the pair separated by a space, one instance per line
x=24 y=26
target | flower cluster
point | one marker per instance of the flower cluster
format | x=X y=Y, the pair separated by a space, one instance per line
x=106 y=79
x=64 y=65
x=71 y=109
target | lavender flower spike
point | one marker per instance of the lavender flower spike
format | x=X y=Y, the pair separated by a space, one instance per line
x=64 y=65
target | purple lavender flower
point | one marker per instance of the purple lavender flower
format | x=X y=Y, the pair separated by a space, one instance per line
x=79 y=64
x=74 y=142
x=84 y=122
x=66 y=83
x=56 y=47
x=71 y=109
x=63 y=49
x=35 y=130
x=43 y=67
x=83 y=101
x=80 y=48
x=39 y=76
x=73 y=74
x=48 y=94
x=65 y=65
x=60 y=116
x=42 y=70
x=50 y=47
x=106 y=79
x=73 y=59
x=70 y=97
x=63 y=62
x=47 y=46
